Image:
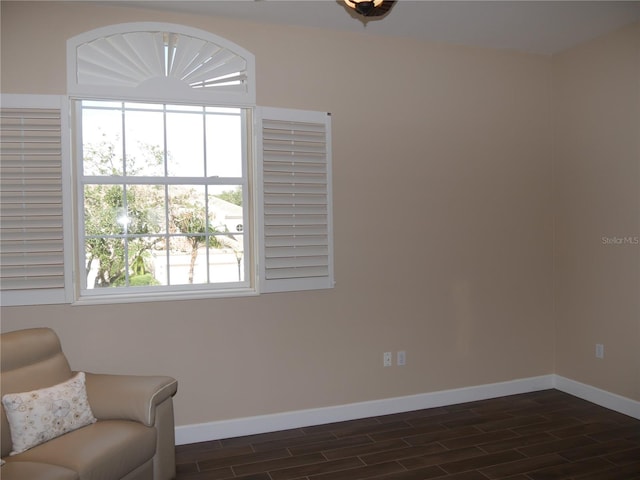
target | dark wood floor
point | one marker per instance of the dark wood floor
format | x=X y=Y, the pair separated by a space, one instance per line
x=547 y=435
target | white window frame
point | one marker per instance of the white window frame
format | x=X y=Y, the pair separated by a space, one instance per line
x=132 y=62
x=85 y=295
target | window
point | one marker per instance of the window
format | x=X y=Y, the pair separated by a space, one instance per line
x=176 y=185
x=162 y=192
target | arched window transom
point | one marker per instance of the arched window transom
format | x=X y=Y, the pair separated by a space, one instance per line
x=159 y=60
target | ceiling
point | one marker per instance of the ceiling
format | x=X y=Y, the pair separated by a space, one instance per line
x=544 y=27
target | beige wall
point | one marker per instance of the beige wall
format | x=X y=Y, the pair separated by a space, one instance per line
x=443 y=226
x=597 y=185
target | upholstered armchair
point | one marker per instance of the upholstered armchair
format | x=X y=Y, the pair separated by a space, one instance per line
x=63 y=425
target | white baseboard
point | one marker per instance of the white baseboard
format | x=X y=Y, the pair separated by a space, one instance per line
x=303 y=418
x=599 y=397
x=202 y=432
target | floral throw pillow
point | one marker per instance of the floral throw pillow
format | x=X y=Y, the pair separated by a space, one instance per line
x=40 y=415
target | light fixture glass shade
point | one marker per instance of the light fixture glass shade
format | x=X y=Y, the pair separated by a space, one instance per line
x=363 y=6
x=354 y=3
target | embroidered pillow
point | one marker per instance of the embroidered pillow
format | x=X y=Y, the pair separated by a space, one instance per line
x=40 y=415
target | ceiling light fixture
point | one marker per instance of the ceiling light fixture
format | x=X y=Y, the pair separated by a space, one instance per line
x=366 y=8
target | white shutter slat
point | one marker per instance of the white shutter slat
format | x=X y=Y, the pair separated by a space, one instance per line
x=279 y=125
x=38 y=169
x=294 y=178
x=13 y=235
x=30 y=187
x=296 y=213
x=31 y=246
x=315 y=255
x=15 y=160
x=300 y=199
x=36 y=148
x=295 y=240
x=301 y=157
x=299 y=167
x=295 y=191
x=295 y=220
x=24 y=212
x=291 y=148
x=31 y=282
x=30 y=116
x=35 y=222
x=294 y=276
x=30 y=261
x=284 y=133
x=297 y=210
x=292 y=231
x=11 y=197
x=31 y=216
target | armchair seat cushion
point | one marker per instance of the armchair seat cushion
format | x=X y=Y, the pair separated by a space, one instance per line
x=108 y=449
x=40 y=471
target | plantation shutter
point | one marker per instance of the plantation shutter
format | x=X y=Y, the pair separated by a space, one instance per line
x=32 y=267
x=296 y=214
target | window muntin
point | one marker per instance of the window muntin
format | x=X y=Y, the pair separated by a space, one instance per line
x=163 y=197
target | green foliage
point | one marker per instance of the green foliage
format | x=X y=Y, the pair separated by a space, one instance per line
x=112 y=211
x=138 y=281
x=232 y=196
x=190 y=218
x=117 y=215
x=101 y=159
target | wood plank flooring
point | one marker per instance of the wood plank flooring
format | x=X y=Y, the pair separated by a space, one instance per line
x=546 y=435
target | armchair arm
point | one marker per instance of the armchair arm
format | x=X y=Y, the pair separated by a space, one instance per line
x=128 y=397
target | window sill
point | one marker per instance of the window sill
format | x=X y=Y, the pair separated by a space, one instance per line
x=162 y=296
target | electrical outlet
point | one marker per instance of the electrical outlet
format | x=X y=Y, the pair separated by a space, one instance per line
x=599 y=350
x=386 y=359
x=401 y=358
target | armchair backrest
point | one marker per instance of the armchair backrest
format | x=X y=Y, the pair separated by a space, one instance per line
x=29 y=359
